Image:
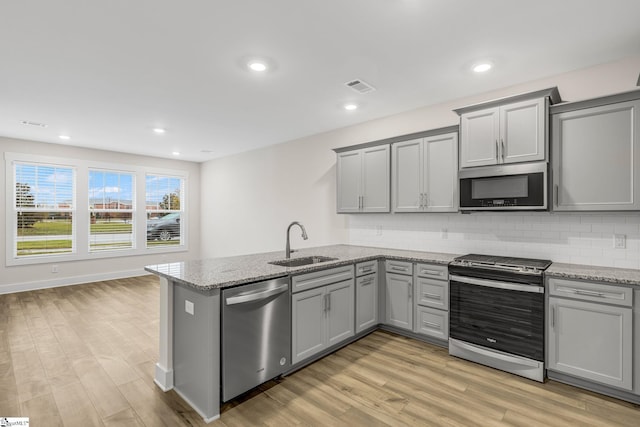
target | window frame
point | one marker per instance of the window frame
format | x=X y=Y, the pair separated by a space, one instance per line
x=180 y=211
x=82 y=217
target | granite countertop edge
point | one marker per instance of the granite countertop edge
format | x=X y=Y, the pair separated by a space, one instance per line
x=219 y=273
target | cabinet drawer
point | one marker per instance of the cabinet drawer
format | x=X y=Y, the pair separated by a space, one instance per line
x=399 y=267
x=321 y=278
x=434 y=271
x=432 y=293
x=589 y=291
x=432 y=322
x=366 y=267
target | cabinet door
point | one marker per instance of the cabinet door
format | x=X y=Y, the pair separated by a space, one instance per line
x=399 y=312
x=340 y=312
x=407 y=176
x=523 y=131
x=376 y=179
x=366 y=302
x=308 y=317
x=349 y=175
x=596 y=158
x=441 y=173
x=591 y=341
x=479 y=135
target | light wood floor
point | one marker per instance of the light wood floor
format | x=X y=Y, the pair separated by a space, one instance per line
x=84 y=355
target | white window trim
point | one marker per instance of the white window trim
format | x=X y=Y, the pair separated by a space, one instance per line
x=82 y=216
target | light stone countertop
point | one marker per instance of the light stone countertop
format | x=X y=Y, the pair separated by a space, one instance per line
x=625 y=276
x=218 y=273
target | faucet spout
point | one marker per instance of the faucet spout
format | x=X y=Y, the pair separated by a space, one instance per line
x=288 y=246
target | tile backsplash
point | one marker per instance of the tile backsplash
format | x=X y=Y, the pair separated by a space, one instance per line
x=571 y=238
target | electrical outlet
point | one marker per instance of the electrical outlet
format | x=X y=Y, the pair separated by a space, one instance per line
x=619 y=241
x=54 y=268
x=188 y=307
x=444 y=234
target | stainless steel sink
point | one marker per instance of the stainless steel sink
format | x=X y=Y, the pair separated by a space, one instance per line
x=297 y=262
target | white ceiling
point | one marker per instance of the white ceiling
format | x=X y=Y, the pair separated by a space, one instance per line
x=107 y=72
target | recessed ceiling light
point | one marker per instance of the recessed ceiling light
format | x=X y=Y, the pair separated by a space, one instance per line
x=159 y=130
x=257 y=66
x=175 y=153
x=482 y=67
x=350 y=107
x=65 y=137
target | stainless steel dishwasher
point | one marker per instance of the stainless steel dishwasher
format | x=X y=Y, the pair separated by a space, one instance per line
x=256 y=335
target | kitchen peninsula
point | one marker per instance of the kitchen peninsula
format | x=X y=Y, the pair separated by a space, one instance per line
x=189 y=355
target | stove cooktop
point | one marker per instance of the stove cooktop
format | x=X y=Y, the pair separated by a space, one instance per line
x=492 y=262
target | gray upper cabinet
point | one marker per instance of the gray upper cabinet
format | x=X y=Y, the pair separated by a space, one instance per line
x=596 y=155
x=511 y=130
x=424 y=174
x=363 y=180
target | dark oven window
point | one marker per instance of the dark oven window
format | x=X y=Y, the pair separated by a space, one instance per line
x=505 y=320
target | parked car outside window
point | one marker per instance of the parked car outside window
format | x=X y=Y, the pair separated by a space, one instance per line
x=164 y=228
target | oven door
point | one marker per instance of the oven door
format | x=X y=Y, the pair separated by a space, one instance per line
x=504 y=316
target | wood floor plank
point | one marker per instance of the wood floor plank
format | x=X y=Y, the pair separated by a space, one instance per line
x=74 y=409
x=41 y=411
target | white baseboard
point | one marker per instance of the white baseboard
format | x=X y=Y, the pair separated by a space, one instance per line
x=74 y=280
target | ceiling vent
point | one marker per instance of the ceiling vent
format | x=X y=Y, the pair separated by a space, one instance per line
x=360 y=86
x=30 y=123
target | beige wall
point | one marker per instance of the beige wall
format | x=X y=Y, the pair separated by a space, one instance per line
x=248 y=199
x=40 y=275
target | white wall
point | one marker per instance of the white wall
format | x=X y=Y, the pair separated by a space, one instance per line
x=39 y=275
x=248 y=199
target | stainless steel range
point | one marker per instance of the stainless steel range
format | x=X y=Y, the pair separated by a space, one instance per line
x=496 y=313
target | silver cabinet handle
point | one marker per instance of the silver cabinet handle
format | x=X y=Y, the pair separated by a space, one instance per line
x=589 y=293
x=431 y=272
x=398 y=268
x=432 y=296
x=555 y=194
x=367 y=281
x=410 y=289
x=553 y=316
x=365 y=270
x=328 y=302
x=502 y=148
x=432 y=324
x=497 y=150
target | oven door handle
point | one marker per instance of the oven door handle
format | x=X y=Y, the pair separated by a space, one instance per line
x=496 y=284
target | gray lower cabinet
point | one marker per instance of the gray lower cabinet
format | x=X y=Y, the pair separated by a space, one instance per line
x=590 y=332
x=399 y=294
x=432 y=301
x=366 y=295
x=596 y=155
x=322 y=316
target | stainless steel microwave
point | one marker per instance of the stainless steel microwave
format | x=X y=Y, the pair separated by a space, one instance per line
x=504 y=187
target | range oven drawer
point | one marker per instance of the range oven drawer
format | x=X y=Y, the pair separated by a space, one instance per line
x=502 y=318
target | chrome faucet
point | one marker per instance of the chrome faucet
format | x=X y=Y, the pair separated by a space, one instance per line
x=304 y=236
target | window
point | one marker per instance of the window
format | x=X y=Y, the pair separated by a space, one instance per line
x=117 y=201
x=164 y=209
x=112 y=208
x=43 y=210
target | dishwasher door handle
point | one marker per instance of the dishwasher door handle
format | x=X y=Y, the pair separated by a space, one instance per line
x=256 y=296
